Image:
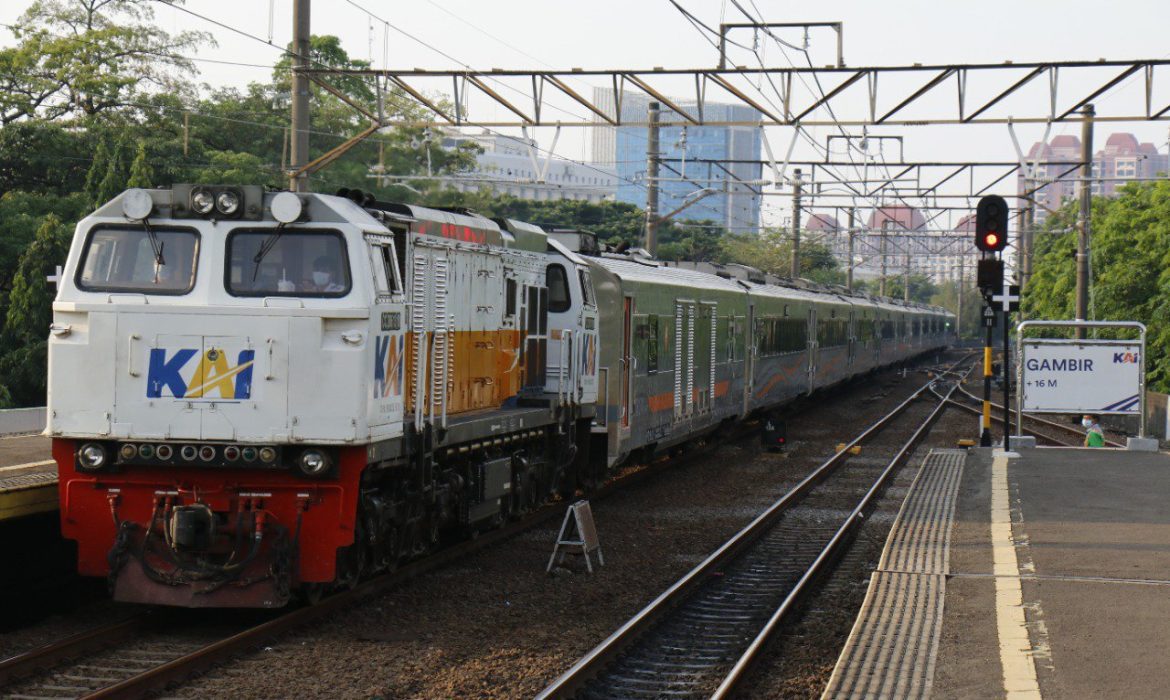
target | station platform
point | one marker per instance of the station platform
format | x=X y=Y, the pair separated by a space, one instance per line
x=28 y=477
x=1044 y=575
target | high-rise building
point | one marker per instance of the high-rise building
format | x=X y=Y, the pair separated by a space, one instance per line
x=1122 y=158
x=736 y=205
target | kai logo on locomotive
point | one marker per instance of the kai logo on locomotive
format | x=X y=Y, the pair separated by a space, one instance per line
x=388 y=366
x=173 y=374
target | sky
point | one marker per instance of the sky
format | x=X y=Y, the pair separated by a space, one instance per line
x=610 y=34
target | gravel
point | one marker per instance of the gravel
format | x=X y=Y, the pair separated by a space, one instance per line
x=497 y=626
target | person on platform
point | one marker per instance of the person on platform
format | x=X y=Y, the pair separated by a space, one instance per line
x=1094 y=436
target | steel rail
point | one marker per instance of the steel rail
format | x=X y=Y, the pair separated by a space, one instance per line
x=44 y=657
x=1053 y=424
x=595 y=660
x=837 y=543
x=999 y=419
x=160 y=677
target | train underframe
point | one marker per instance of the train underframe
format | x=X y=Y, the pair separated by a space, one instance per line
x=211 y=536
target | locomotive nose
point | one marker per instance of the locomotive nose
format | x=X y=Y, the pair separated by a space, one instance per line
x=192 y=527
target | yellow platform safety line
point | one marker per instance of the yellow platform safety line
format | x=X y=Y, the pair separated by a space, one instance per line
x=27 y=465
x=1015 y=647
x=30 y=500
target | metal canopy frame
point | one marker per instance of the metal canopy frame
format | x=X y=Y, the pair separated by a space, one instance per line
x=883 y=105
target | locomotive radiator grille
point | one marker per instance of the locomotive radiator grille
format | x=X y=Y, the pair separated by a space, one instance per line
x=418 y=316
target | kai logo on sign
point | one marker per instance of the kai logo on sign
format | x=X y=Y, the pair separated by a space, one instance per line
x=170 y=374
x=1125 y=358
x=388 y=366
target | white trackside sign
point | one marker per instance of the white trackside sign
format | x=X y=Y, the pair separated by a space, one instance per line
x=1085 y=376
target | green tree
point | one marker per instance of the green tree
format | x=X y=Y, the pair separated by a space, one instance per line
x=141 y=174
x=771 y=251
x=1130 y=268
x=87 y=57
x=26 y=323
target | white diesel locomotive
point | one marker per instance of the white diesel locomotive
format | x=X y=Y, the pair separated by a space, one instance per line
x=257 y=394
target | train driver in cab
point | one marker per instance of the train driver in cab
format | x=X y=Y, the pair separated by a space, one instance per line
x=324 y=277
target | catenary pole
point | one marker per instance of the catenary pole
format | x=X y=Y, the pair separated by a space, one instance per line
x=797 y=183
x=299 y=155
x=849 y=274
x=652 y=158
x=1084 y=233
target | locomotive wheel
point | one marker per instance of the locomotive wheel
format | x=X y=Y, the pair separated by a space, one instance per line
x=354 y=560
x=313 y=593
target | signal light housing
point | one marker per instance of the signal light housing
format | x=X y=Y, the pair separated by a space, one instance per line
x=991 y=217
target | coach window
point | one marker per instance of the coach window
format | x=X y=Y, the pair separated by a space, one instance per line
x=265 y=263
x=149 y=261
x=558 y=289
x=651 y=344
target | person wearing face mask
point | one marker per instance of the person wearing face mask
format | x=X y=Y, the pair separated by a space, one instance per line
x=324 y=276
x=1094 y=437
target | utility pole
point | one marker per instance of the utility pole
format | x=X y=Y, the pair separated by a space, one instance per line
x=300 y=98
x=1085 y=231
x=959 y=290
x=1028 y=222
x=885 y=230
x=849 y=274
x=652 y=156
x=906 y=279
x=796 y=186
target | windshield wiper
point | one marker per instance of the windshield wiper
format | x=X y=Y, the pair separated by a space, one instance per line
x=156 y=246
x=265 y=247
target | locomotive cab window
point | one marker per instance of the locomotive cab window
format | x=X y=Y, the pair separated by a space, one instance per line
x=267 y=262
x=510 y=297
x=587 y=296
x=558 y=289
x=136 y=259
x=384 y=264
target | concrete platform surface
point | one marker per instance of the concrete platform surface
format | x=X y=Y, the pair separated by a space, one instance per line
x=28 y=477
x=1057 y=580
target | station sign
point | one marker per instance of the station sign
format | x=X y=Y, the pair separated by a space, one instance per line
x=1081 y=376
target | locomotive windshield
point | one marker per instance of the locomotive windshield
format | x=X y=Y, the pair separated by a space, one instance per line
x=295 y=263
x=122 y=259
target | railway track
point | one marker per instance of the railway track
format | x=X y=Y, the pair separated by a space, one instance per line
x=699 y=637
x=147 y=653
x=1049 y=431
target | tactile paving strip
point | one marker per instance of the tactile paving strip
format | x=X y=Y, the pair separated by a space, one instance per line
x=892 y=647
x=30 y=479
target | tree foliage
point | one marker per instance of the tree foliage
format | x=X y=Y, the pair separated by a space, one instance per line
x=1130 y=268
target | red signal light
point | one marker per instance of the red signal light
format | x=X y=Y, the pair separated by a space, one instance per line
x=991 y=240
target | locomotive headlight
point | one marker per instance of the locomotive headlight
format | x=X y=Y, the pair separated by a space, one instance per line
x=227 y=203
x=313 y=463
x=92 y=456
x=202 y=201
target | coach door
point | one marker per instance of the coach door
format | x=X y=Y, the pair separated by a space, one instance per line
x=852 y=336
x=749 y=357
x=684 y=359
x=626 y=363
x=813 y=350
